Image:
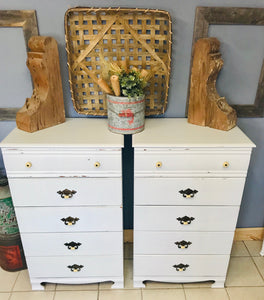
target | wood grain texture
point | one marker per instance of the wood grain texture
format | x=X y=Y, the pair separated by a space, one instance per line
x=20 y=18
x=206 y=107
x=7 y=114
x=204 y=17
x=249 y=234
x=28 y=21
x=45 y=108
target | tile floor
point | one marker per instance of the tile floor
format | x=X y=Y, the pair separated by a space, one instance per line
x=245 y=281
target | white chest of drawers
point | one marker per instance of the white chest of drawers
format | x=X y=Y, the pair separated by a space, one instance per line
x=188 y=186
x=66 y=185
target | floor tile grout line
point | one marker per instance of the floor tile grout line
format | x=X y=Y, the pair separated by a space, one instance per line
x=11 y=292
x=257 y=268
x=244 y=286
x=248 y=249
x=184 y=293
x=12 y=289
x=54 y=294
x=227 y=293
x=98 y=292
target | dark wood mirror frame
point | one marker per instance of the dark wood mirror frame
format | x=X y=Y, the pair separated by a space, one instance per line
x=206 y=16
x=28 y=21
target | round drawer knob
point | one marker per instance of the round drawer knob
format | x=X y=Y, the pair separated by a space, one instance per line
x=28 y=164
x=97 y=164
x=226 y=164
x=158 y=164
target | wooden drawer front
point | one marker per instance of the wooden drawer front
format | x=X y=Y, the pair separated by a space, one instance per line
x=206 y=218
x=188 y=191
x=73 y=244
x=62 y=163
x=81 y=191
x=57 y=266
x=163 y=265
x=149 y=242
x=47 y=219
x=201 y=162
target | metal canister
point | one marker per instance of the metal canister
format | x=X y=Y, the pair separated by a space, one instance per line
x=126 y=115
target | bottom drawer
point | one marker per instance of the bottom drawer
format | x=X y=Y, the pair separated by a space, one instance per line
x=75 y=267
x=180 y=265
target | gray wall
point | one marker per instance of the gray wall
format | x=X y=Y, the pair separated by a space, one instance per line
x=242 y=50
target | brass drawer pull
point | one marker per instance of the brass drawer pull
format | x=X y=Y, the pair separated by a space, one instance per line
x=188 y=193
x=72 y=245
x=180 y=267
x=183 y=244
x=97 y=164
x=69 y=221
x=75 y=268
x=28 y=164
x=158 y=164
x=185 y=220
x=65 y=194
x=226 y=164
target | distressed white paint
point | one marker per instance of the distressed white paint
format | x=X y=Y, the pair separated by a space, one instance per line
x=189 y=157
x=210 y=191
x=64 y=157
x=48 y=219
x=157 y=242
x=57 y=266
x=177 y=132
x=74 y=133
x=44 y=191
x=61 y=164
x=191 y=162
x=199 y=265
x=92 y=243
x=206 y=218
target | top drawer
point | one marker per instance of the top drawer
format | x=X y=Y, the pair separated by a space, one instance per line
x=156 y=163
x=62 y=163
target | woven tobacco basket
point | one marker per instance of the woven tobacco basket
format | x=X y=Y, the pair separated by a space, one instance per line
x=142 y=37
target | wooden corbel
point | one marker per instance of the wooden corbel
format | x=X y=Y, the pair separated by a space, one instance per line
x=45 y=108
x=206 y=107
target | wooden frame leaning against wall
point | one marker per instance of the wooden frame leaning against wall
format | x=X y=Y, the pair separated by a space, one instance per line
x=28 y=21
x=206 y=16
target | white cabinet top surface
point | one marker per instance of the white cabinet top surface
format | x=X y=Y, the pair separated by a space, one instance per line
x=177 y=132
x=75 y=132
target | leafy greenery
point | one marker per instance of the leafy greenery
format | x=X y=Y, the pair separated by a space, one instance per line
x=131 y=84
